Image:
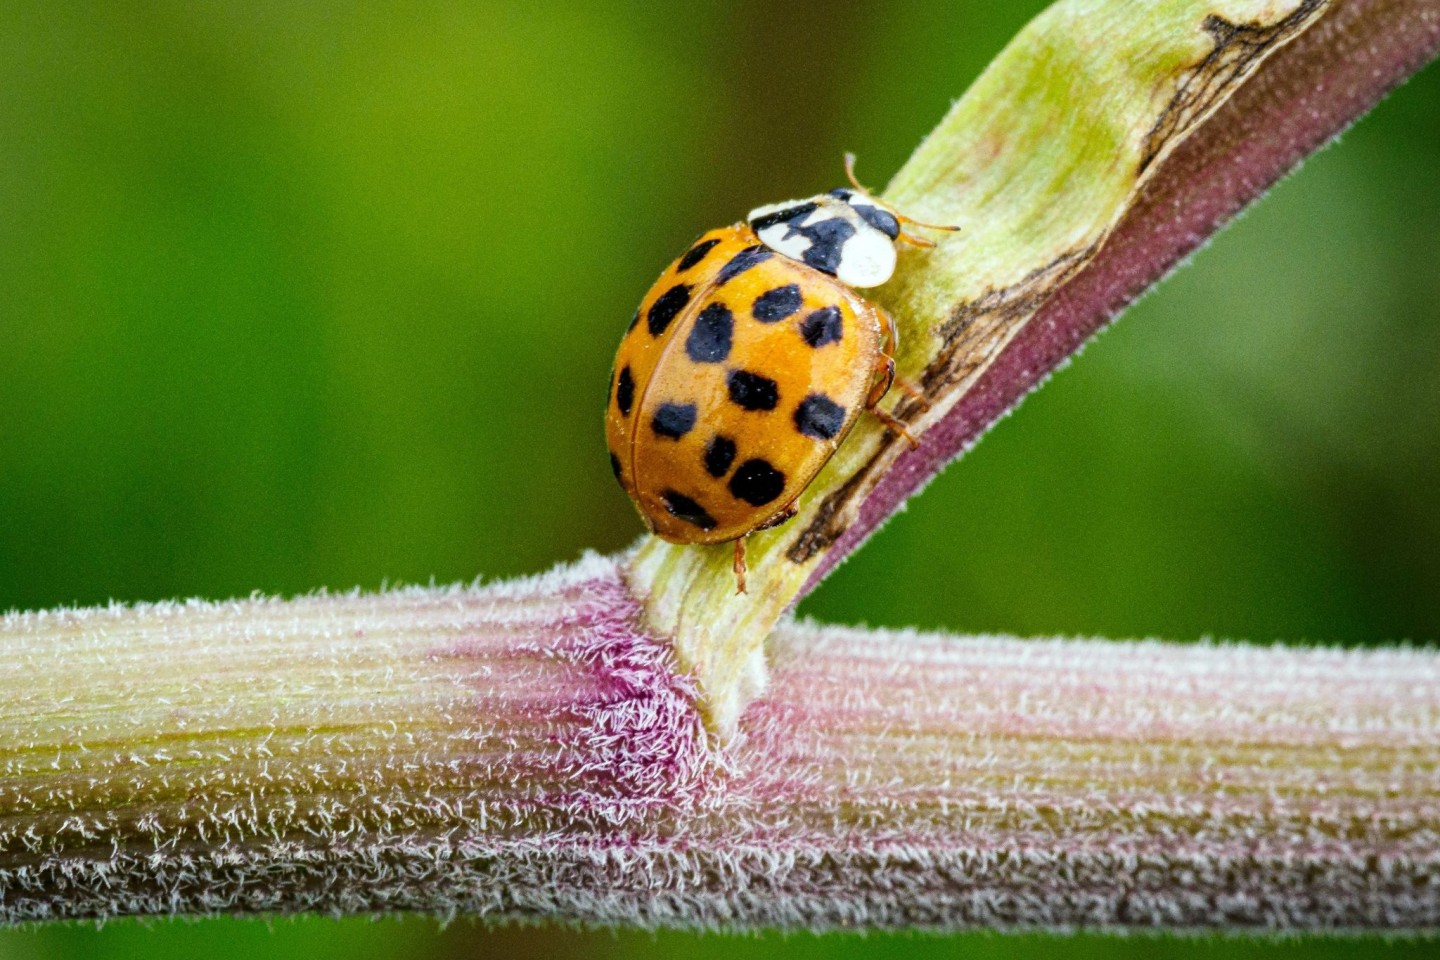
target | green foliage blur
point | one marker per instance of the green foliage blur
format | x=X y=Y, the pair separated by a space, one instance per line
x=301 y=295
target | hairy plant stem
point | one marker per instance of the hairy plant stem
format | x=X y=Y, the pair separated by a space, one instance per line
x=555 y=747
x=520 y=751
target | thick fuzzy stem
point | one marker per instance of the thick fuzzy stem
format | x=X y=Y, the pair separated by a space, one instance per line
x=552 y=747
x=521 y=750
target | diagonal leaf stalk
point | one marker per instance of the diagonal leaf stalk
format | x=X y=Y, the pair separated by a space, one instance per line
x=1290 y=107
x=533 y=749
x=520 y=751
x=1102 y=145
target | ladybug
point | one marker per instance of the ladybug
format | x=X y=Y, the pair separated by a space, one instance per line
x=749 y=361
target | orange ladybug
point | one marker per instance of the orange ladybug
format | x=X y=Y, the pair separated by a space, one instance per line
x=749 y=361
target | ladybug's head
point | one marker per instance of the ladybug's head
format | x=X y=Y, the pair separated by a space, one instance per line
x=843 y=233
x=846 y=233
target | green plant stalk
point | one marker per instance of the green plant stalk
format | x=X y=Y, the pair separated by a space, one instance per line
x=1039 y=161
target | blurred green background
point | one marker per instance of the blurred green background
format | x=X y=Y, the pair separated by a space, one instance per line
x=301 y=295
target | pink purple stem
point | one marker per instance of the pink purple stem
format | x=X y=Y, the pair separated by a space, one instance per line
x=521 y=750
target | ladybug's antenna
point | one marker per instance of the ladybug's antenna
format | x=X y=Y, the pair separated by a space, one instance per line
x=850 y=175
x=920 y=223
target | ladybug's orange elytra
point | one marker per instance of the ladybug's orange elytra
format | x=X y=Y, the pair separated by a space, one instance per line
x=748 y=362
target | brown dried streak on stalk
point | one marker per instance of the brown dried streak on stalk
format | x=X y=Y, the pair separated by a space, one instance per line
x=1237 y=47
x=975 y=333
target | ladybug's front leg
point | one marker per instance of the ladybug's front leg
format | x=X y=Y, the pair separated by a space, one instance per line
x=889 y=346
x=885 y=376
x=882 y=378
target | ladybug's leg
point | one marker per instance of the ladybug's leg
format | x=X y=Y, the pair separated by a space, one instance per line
x=884 y=361
x=895 y=426
x=779 y=518
x=739 y=563
x=913 y=392
x=884 y=377
x=922 y=242
x=889 y=342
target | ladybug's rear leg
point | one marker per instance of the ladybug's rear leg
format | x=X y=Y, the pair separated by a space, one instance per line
x=739 y=565
x=885 y=376
x=787 y=513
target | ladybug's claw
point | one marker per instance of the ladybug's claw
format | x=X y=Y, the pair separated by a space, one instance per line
x=739 y=565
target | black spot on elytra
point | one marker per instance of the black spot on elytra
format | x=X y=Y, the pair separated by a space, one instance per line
x=820 y=417
x=673 y=420
x=719 y=454
x=742 y=261
x=757 y=482
x=625 y=392
x=798 y=212
x=752 y=391
x=823 y=326
x=683 y=508
x=710 y=338
x=775 y=305
x=882 y=220
x=695 y=254
x=665 y=308
x=615 y=468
